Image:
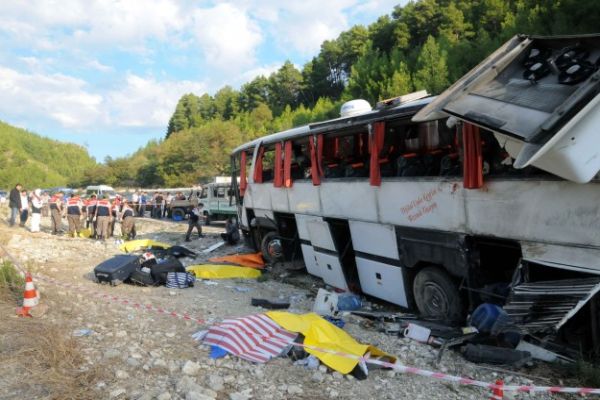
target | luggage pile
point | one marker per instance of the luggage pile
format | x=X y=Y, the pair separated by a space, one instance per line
x=154 y=267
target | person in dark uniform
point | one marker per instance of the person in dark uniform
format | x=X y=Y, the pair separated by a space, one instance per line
x=90 y=207
x=103 y=216
x=74 y=211
x=232 y=231
x=127 y=221
x=194 y=222
x=56 y=207
x=14 y=202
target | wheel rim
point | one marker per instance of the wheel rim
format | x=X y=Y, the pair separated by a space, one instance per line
x=274 y=248
x=436 y=301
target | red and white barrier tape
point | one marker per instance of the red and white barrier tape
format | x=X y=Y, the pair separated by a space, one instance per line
x=121 y=300
x=394 y=366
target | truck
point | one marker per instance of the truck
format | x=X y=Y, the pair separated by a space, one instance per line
x=218 y=200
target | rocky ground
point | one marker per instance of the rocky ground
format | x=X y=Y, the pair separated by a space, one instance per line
x=146 y=355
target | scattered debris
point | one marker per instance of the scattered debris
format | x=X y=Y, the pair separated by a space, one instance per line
x=213 y=247
x=269 y=305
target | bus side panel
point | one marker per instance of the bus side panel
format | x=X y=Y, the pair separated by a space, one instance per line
x=304 y=198
x=279 y=199
x=349 y=199
x=261 y=197
x=565 y=257
x=536 y=210
x=429 y=204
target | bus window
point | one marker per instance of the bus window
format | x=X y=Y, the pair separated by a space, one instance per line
x=424 y=149
x=268 y=161
x=346 y=155
x=300 y=160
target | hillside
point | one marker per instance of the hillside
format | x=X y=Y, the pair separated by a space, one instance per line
x=426 y=44
x=36 y=161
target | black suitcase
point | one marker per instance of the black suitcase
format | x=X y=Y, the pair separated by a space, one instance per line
x=141 y=277
x=160 y=270
x=117 y=269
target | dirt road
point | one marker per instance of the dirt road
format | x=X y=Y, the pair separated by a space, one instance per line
x=142 y=354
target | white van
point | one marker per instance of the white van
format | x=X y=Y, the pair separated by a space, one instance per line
x=100 y=190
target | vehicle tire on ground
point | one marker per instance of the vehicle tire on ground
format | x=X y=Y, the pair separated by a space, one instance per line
x=437 y=296
x=177 y=213
x=271 y=248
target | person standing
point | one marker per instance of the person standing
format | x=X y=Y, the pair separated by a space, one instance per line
x=103 y=216
x=158 y=200
x=127 y=221
x=90 y=207
x=14 y=202
x=74 y=211
x=56 y=207
x=45 y=204
x=169 y=199
x=24 y=215
x=36 y=210
x=115 y=209
x=143 y=200
x=135 y=202
x=194 y=222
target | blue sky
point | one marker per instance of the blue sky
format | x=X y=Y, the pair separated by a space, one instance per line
x=107 y=74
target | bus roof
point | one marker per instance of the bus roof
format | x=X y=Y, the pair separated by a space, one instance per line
x=403 y=110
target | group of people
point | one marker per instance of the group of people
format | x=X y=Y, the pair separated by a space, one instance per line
x=98 y=215
x=157 y=204
x=24 y=205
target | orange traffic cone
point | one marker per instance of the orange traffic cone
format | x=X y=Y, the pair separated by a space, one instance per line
x=498 y=393
x=31 y=297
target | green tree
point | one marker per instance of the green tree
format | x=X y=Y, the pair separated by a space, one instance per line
x=432 y=70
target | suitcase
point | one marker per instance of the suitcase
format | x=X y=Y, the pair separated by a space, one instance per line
x=160 y=270
x=117 y=269
x=142 y=277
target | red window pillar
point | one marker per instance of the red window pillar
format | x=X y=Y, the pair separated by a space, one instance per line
x=472 y=158
x=377 y=139
x=287 y=165
x=278 y=166
x=243 y=181
x=258 y=166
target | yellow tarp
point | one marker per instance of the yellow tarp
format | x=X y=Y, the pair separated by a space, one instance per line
x=216 y=271
x=252 y=260
x=85 y=233
x=323 y=334
x=134 y=245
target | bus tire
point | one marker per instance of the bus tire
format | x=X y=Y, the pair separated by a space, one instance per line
x=177 y=213
x=271 y=247
x=436 y=295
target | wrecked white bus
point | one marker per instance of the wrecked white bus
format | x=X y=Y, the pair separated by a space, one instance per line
x=433 y=214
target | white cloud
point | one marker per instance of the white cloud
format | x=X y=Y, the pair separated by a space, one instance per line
x=56 y=97
x=50 y=25
x=227 y=36
x=146 y=102
x=264 y=70
x=98 y=66
x=303 y=25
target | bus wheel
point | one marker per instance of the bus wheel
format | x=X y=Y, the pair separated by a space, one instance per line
x=178 y=214
x=271 y=247
x=436 y=295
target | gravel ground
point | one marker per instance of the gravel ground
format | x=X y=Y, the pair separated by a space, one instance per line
x=152 y=356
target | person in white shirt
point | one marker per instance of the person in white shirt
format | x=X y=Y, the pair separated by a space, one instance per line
x=36 y=210
x=135 y=202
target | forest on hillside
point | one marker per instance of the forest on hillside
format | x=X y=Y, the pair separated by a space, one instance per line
x=426 y=44
x=39 y=162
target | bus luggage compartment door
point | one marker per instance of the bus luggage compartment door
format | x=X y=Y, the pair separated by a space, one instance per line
x=378 y=261
x=326 y=254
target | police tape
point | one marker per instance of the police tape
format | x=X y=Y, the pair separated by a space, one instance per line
x=120 y=300
x=403 y=369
